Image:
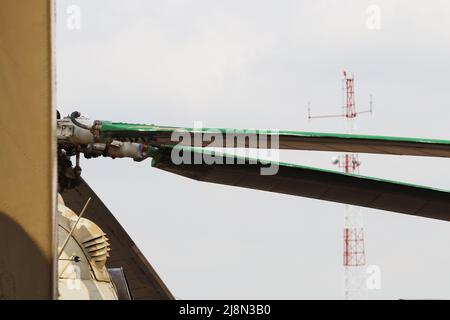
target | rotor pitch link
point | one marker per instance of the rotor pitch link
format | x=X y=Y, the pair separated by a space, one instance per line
x=117 y=149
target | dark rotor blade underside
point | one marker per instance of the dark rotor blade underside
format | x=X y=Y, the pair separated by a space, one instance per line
x=144 y=282
x=315 y=183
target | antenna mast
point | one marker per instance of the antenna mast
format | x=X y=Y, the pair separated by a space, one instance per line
x=354 y=258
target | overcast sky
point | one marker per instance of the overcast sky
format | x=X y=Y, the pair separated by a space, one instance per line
x=256 y=64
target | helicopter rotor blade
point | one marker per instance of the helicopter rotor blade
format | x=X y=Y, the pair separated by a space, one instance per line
x=309 y=182
x=144 y=282
x=290 y=140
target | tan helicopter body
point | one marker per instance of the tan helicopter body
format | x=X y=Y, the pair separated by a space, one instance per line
x=83 y=251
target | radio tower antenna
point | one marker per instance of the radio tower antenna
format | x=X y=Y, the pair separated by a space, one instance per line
x=354 y=256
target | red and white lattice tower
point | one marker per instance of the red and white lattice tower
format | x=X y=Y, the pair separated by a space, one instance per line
x=354 y=258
